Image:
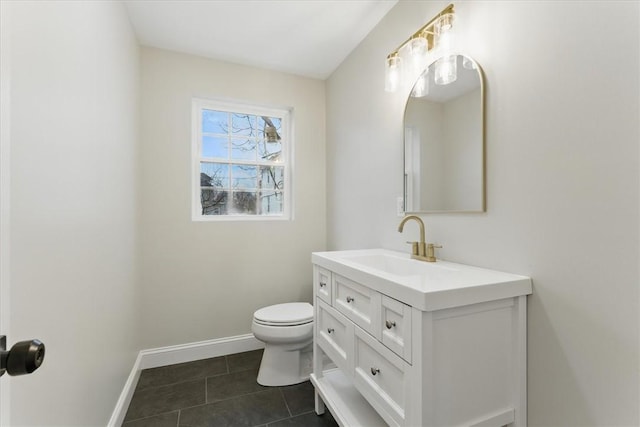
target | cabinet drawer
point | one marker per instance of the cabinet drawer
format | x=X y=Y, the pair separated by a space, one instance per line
x=322 y=283
x=334 y=334
x=395 y=324
x=360 y=304
x=380 y=376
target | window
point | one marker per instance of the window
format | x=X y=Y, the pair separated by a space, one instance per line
x=241 y=166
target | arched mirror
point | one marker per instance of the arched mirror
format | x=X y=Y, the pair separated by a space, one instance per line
x=444 y=139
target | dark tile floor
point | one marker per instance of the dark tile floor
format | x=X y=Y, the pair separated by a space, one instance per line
x=220 y=392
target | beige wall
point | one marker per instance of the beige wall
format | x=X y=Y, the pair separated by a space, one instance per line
x=563 y=184
x=74 y=128
x=204 y=280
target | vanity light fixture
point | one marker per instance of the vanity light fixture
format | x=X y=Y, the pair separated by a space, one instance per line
x=434 y=37
x=393 y=72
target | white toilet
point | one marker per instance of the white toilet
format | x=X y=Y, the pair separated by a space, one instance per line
x=287 y=331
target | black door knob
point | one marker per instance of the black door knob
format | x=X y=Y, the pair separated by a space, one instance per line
x=23 y=358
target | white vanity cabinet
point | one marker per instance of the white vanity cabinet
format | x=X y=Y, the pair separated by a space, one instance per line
x=418 y=344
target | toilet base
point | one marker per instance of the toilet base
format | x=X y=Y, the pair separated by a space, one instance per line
x=280 y=367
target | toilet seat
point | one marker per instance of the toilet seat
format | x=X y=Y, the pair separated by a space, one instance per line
x=288 y=314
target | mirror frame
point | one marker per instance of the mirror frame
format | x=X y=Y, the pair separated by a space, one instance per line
x=483 y=207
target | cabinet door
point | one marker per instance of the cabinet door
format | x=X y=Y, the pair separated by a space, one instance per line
x=359 y=303
x=379 y=375
x=322 y=283
x=395 y=324
x=334 y=334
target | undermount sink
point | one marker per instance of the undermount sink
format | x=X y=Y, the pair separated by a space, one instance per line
x=426 y=285
x=396 y=264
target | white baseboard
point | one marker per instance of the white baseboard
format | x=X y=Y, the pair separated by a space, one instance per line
x=171 y=355
x=163 y=356
x=117 y=417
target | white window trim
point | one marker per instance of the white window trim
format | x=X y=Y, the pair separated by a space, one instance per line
x=196 y=141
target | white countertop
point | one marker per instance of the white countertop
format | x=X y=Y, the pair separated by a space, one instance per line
x=427 y=286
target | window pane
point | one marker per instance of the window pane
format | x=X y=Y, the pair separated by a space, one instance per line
x=271 y=202
x=264 y=122
x=272 y=177
x=243 y=125
x=215 y=147
x=244 y=202
x=213 y=201
x=243 y=149
x=270 y=134
x=244 y=177
x=214 y=175
x=215 y=121
x=270 y=151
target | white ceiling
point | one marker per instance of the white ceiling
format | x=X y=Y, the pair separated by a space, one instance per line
x=305 y=37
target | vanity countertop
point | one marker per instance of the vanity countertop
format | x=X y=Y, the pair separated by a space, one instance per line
x=427 y=286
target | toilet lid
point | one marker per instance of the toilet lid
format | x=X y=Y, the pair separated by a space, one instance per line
x=292 y=313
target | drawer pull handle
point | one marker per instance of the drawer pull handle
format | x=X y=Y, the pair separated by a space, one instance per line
x=390 y=324
x=375 y=371
x=329 y=330
x=349 y=299
x=323 y=284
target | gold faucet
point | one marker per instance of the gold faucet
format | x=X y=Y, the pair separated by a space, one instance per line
x=419 y=250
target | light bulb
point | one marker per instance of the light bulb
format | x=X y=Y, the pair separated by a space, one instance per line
x=417 y=57
x=393 y=71
x=444 y=39
x=446 y=70
x=445 y=23
x=445 y=42
x=417 y=46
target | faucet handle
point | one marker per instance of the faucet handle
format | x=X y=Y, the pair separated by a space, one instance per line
x=431 y=253
x=414 y=248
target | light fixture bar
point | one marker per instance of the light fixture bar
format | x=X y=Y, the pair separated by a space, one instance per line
x=425 y=31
